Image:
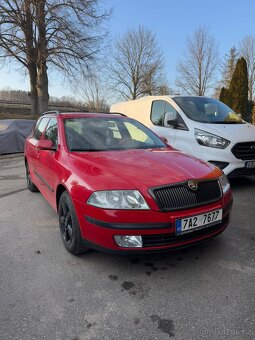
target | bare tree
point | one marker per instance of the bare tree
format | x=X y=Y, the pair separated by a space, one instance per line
x=94 y=91
x=19 y=96
x=163 y=90
x=247 y=50
x=42 y=33
x=197 y=69
x=137 y=65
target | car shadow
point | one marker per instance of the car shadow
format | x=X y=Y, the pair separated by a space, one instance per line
x=159 y=265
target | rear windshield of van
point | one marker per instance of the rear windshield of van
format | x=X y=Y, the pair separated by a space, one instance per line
x=207 y=110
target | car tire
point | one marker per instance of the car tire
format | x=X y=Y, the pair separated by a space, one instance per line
x=30 y=185
x=69 y=226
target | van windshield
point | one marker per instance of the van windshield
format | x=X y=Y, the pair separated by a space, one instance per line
x=207 y=110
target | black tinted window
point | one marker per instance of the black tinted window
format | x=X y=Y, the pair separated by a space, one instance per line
x=51 y=132
x=40 y=127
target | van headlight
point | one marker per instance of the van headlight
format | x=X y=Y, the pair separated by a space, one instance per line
x=208 y=139
x=118 y=199
x=224 y=183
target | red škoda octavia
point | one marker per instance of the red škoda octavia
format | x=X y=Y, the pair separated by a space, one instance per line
x=118 y=187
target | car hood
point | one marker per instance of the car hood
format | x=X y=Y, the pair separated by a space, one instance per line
x=138 y=169
x=236 y=133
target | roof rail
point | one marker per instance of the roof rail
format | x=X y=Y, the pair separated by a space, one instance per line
x=50 y=112
x=117 y=113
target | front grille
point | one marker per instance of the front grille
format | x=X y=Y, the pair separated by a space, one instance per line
x=244 y=151
x=168 y=239
x=180 y=196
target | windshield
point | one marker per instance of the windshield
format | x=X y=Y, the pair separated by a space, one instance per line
x=108 y=133
x=207 y=110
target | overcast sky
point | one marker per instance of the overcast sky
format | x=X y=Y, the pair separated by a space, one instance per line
x=171 y=21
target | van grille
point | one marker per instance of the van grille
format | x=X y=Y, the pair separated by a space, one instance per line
x=180 y=196
x=242 y=172
x=244 y=151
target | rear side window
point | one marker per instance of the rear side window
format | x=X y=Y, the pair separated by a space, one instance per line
x=158 y=110
x=40 y=127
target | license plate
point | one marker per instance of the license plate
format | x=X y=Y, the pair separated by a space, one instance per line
x=188 y=224
x=250 y=164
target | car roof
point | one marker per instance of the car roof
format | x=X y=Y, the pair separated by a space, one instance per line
x=84 y=114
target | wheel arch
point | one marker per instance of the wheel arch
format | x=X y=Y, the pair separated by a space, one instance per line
x=60 y=189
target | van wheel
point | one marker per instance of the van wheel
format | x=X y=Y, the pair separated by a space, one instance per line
x=30 y=185
x=69 y=226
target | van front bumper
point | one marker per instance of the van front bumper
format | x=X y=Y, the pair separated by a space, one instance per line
x=226 y=161
x=236 y=169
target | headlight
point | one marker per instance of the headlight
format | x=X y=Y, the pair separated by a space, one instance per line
x=224 y=183
x=118 y=199
x=211 y=140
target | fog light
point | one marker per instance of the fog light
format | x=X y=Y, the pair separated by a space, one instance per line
x=127 y=241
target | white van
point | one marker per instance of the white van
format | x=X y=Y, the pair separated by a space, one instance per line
x=203 y=127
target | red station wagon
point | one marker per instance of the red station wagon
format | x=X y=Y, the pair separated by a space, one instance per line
x=118 y=187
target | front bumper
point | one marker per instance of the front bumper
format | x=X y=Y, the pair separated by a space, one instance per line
x=156 y=228
x=239 y=172
x=228 y=163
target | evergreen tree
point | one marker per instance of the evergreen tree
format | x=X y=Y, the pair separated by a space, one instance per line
x=222 y=96
x=225 y=97
x=228 y=67
x=239 y=89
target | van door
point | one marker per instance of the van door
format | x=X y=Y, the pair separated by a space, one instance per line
x=158 y=110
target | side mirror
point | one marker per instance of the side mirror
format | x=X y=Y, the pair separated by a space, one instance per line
x=45 y=144
x=170 y=119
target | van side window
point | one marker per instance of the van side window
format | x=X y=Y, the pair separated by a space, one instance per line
x=157 y=112
x=169 y=108
x=181 y=124
x=159 y=108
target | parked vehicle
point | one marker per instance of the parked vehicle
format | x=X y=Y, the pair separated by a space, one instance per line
x=13 y=133
x=203 y=127
x=117 y=187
